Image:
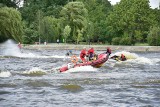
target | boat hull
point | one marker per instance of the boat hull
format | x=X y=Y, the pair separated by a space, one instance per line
x=102 y=58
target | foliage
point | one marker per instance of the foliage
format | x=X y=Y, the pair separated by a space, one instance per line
x=30 y=36
x=125 y=41
x=79 y=36
x=97 y=13
x=130 y=17
x=121 y=41
x=11 y=25
x=154 y=36
x=75 y=15
x=50 y=28
x=127 y=22
x=116 y=40
x=10 y=3
x=66 y=32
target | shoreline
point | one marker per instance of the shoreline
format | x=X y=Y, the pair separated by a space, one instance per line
x=61 y=46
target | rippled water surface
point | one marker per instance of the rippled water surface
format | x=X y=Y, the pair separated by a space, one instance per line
x=30 y=79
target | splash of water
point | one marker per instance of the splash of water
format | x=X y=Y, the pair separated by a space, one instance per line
x=134 y=58
x=11 y=48
x=128 y=55
x=5 y=74
x=34 y=72
x=142 y=60
x=82 y=69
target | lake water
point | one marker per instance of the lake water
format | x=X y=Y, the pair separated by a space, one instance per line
x=28 y=78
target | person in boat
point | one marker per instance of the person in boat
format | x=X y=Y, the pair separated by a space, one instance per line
x=83 y=54
x=69 y=53
x=95 y=57
x=91 y=54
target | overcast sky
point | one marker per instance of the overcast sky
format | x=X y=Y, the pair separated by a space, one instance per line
x=153 y=3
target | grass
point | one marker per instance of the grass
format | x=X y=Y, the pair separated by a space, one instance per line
x=141 y=44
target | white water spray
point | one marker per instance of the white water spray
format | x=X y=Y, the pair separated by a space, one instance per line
x=82 y=69
x=5 y=74
x=128 y=55
x=11 y=48
x=35 y=71
x=134 y=58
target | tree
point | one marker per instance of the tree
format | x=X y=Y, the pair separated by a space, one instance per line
x=154 y=36
x=11 y=25
x=10 y=3
x=97 y=13
x=89 y=32
x=79 y=36
x=75 y=15
x=66 y=32
x=50 y=28
x=36 y=10
x=129 y=18
x=38 y=22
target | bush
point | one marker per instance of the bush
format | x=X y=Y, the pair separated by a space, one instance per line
x=125 y=41
x=115 y=41
x=154 y=36
x=30 y=36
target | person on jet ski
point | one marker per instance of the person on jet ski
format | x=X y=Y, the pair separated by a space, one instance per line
x=119 y=58
x=122 y=58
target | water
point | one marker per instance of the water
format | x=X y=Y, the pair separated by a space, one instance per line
x=30 y=79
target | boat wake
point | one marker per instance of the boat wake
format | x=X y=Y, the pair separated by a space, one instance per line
x=34 y=72
x=82 y=69
x=11 y=49
x=134 y=58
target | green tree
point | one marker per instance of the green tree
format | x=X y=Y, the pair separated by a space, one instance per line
x=50 y=28
x=79 y=36
x=66 y=32
x=97 y=13
x=38 y=22
x=11 y=25
x=75 y=15
x=154 y=36
x=10 y=3
x=89 y=32
x=130 y=17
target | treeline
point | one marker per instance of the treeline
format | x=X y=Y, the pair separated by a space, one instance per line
x=76 y=21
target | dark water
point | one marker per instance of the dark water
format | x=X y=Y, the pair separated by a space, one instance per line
x=30 y=79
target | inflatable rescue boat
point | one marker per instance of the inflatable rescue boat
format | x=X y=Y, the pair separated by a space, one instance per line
x=101 y=59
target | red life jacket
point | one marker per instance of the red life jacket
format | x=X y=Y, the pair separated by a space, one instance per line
x=91 y=51
x=83 y=53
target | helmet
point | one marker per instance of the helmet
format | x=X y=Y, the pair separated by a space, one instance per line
x=108 y=50
x=122 y=56
x=70 y=51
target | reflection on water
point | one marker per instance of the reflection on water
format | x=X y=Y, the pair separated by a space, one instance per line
x=30 y=79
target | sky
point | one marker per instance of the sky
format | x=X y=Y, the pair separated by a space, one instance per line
x=153 y=3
